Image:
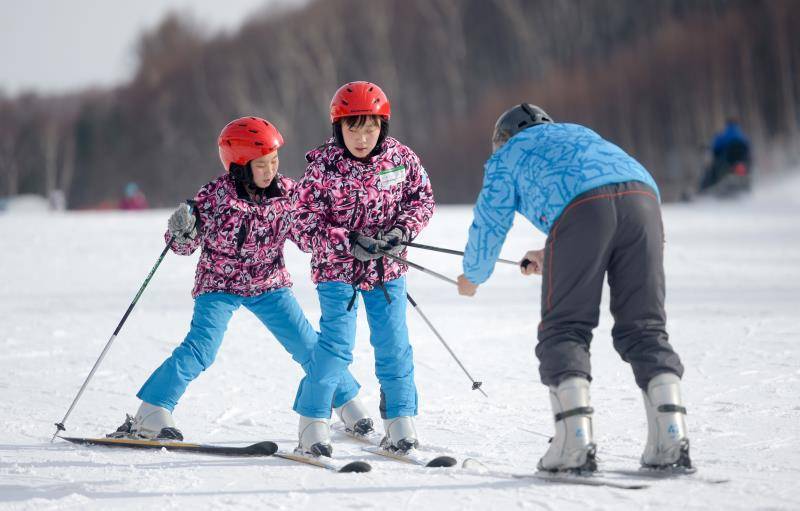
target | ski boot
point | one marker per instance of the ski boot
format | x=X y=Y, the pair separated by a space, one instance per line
x=355 y=417
x=667 y=445
x=401 y=435
x=572 y=449
x=150 y=423
x=315 y=437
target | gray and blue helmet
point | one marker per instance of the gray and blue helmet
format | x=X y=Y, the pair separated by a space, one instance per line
x=516 y=119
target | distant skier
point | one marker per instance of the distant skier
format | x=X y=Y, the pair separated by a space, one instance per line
x=362 y=191
x=730 y=171
x=600 y=209
x=240 y=221
x=133 y=198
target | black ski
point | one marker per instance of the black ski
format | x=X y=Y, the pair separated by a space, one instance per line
x=325 y=462
x=413 y=457
x=476 y=467
x=259 y=449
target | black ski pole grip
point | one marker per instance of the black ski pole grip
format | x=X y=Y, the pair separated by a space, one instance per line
x=525 y=262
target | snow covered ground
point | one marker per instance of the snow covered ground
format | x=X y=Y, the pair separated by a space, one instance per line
x=733 y=275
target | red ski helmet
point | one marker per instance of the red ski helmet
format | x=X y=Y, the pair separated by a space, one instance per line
x=245 y=139
x=359 y=98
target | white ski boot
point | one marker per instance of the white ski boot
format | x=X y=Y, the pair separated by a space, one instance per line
x=355 y=417
x=401 y=435
x=667 y=444
x=315 y=437
x=572 y=448
x=150 y=423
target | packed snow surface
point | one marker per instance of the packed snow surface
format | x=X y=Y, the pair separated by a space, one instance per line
x=733 y=300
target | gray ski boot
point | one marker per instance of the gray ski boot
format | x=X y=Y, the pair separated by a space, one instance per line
x=355 y=417
x=401 y=434
x=572 y=448
x=150 y=423
x=667 y=445
x=315 y=437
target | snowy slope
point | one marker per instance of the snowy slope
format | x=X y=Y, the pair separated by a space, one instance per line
x=733 y=274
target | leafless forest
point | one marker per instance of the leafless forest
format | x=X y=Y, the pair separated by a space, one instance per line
x=658 y=77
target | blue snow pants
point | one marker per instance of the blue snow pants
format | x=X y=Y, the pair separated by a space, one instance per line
x=394 y=362
x=277 y=309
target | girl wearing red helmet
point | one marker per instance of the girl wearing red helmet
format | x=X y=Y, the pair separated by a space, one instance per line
x=240 y=222
x=362 y=191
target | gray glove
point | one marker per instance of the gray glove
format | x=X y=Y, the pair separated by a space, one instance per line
x=181 y=223
x=365 y=248
x=394 y=240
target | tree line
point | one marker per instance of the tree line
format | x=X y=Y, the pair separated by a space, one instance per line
x=657 y=77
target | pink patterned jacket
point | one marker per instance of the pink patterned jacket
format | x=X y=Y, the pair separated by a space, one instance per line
x=242 y=240
x=338 y=195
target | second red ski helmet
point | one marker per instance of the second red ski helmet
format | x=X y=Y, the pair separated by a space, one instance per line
x=247 y=138
x=359 y=98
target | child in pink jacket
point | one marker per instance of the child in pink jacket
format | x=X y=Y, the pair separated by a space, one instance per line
x=240 y=222
x=363 y=193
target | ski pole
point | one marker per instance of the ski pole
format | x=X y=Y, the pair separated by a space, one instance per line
x=418 y=267
x=453 y=252
x=60 y=425
x=476 y=385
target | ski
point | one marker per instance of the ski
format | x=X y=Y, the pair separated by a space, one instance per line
x=258 y=449
x=475 y=467
x=413 y=457
x=645 y=473
x=586 y=480
x=326 y=463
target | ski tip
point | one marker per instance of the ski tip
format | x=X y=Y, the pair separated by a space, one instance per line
x=358 y=467
x=442 y=461
x=473 y=464
x=263 y=449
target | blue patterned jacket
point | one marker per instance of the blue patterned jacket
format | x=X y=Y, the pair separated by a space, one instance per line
x=537 y=173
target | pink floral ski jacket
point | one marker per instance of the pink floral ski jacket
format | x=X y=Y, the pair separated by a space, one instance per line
x=338 y=195
x=242 y=240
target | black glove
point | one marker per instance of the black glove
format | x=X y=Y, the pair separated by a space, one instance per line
x=394 y=241
x=365 y=248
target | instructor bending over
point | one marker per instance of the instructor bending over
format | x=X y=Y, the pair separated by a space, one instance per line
x=600 y=210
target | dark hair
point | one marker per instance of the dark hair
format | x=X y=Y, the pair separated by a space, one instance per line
x=242 y=173
x=357 y=121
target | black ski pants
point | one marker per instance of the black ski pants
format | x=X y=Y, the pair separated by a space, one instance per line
x=615 y=230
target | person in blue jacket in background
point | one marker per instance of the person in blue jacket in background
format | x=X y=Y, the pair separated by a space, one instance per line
x=601 y=212
x=730 y=171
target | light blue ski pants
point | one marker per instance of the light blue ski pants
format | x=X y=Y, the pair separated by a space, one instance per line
x=280 y=313
x=394 y=363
